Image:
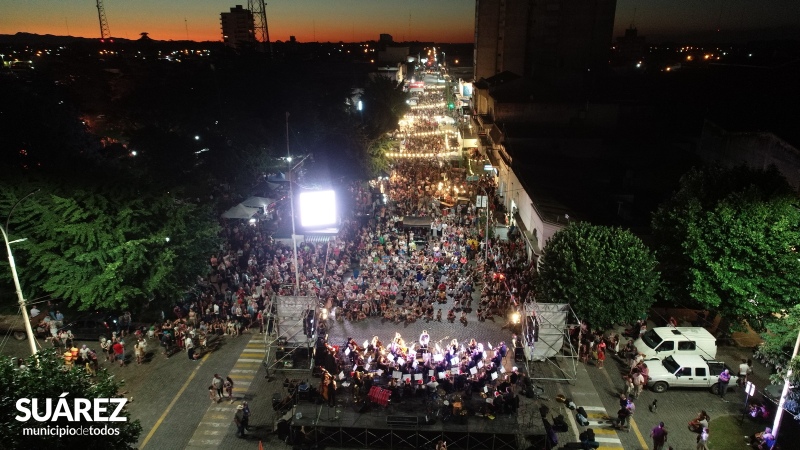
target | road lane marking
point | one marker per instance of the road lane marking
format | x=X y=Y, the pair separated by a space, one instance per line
x=633 y=425
x=172 y=403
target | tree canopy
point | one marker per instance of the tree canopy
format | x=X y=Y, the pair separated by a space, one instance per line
x=727 y=242
x=45 y=377
x=101 y=246
x=606 y=274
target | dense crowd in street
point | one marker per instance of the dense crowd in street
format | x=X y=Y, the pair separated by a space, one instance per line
x=379 y=267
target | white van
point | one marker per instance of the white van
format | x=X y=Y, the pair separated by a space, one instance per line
x=661 y=342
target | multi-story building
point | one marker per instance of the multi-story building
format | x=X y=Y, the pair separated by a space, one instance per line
x=238 y=27
x=529 y=37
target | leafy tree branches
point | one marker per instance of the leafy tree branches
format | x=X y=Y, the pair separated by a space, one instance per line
x=727 y=240
x=105 y=247
x=45 y=377
x=606 y=274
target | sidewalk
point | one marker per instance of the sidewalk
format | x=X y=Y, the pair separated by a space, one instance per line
x=584 y=393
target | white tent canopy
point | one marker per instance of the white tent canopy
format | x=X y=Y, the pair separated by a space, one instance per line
x=240 y=212
x=257 y=202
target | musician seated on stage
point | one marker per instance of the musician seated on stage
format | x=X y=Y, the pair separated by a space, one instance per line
x=424 y=339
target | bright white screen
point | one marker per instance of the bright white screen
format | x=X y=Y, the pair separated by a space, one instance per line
x=317 y=208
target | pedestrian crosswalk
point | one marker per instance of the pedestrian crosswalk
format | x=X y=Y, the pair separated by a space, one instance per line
x=600 y=423
x=218 y=418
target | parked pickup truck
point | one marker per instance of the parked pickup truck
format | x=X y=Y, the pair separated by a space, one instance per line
x=15 y=325
x=691 y=371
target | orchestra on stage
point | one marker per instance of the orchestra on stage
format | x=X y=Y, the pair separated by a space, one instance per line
x=446 y=372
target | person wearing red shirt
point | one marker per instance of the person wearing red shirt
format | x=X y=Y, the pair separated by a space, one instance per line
x=119 y=353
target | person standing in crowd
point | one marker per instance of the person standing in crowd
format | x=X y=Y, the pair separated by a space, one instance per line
x=188 y=342
x=217 y=383
x=724 y=379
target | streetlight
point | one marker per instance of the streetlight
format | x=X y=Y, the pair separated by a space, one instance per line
x=294 y=233
x=486 y=238
x=23 y=306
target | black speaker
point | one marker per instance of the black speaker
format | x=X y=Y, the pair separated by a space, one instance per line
x=430 y=420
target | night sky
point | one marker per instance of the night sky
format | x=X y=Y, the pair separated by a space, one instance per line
x=359 y=20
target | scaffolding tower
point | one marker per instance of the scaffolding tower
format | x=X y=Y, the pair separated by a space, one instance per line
x=259 y=10
x=293 y=322
x=105 y=33
x=546 y=332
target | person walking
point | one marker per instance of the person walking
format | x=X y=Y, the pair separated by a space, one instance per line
x=138 y=350
x=217 y=382
x=638 y=383
x=702 y=439
x=228 y=385
x=246 y=412
x=212 y=393
x=659 y=435
x=241 y=421
x=724 y=379
x=119 y=353
x=601 y=358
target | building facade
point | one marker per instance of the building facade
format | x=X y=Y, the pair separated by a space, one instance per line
x=238 y=27
x=529 y=37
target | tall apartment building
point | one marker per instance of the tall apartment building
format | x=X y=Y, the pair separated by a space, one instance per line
x=238 y=27
x=529 y=37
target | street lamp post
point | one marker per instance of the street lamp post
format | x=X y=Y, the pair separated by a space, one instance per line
x=786 y=384
x=294 y=233
x=486 y=238
x=22 y=304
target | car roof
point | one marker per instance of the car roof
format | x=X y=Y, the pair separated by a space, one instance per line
x=690 y=360
x=693 y=332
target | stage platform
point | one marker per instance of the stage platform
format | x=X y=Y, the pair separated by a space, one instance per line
x=404 y=425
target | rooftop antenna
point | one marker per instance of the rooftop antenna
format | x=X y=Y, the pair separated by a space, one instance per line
x=101 y=17
x=633 y=19
x=186 y=24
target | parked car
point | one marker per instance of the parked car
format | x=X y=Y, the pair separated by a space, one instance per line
x=692 y=371
x=90 y=326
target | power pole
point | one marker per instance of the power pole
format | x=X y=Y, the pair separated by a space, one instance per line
x=101 y=17
x=23 y=306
